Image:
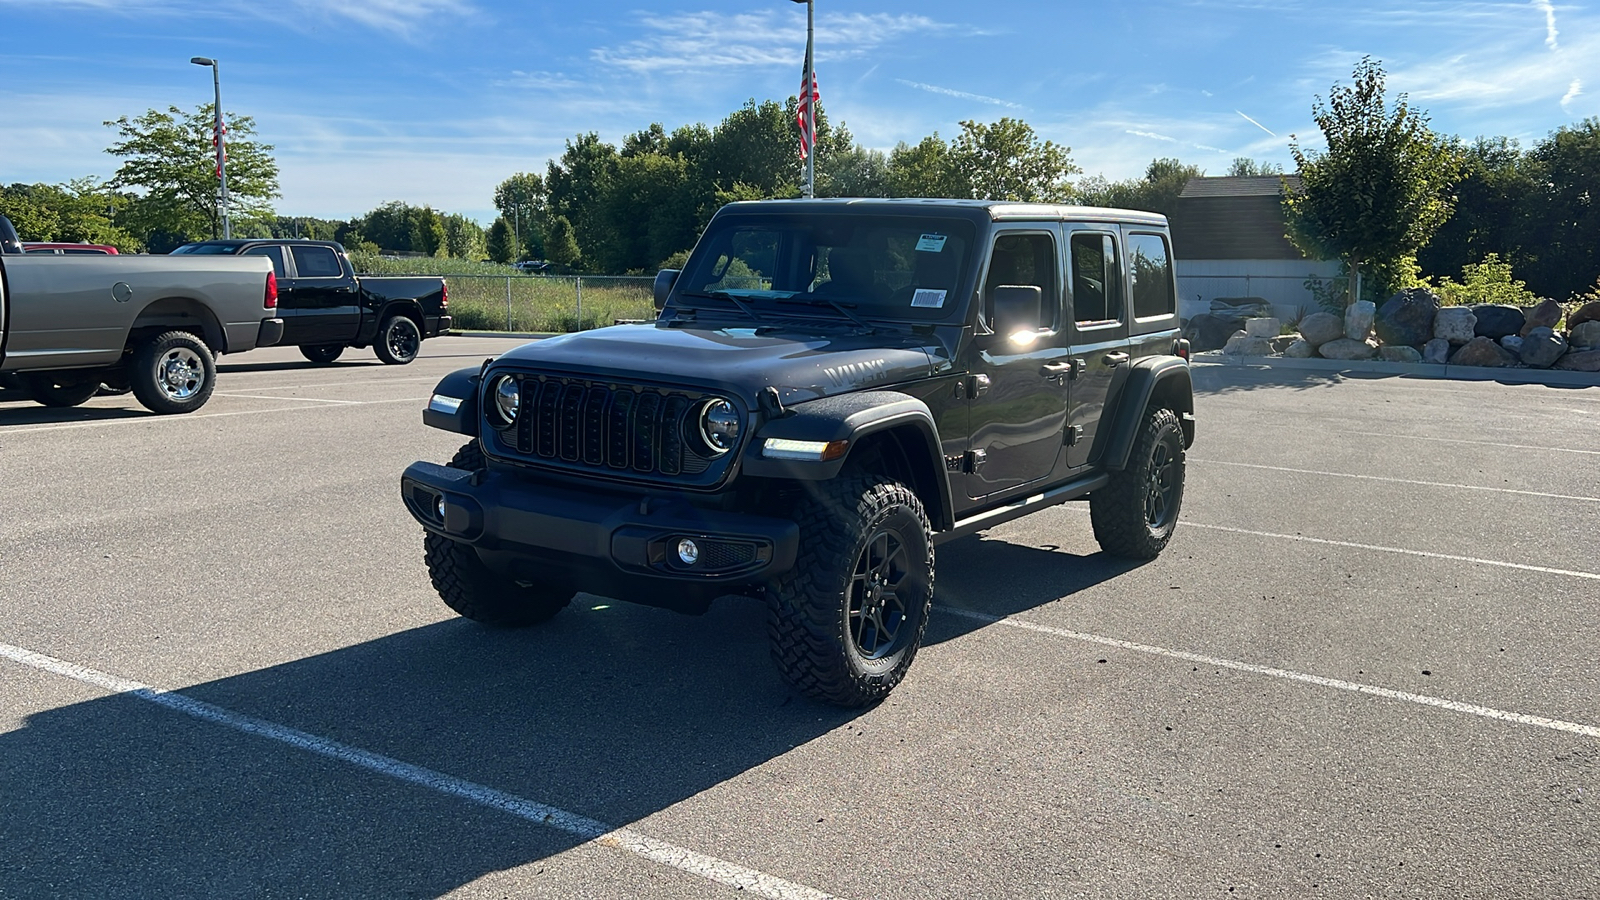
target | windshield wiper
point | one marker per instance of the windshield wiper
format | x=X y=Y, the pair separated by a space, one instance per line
x=724 y=295
x=842 y=308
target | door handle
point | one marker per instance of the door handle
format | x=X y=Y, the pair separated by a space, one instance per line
x=1056 y=370
x=1116 y=359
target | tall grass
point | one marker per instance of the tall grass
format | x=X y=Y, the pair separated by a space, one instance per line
x=546 y=304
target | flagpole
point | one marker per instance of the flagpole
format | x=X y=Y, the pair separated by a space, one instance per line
x=811 y=116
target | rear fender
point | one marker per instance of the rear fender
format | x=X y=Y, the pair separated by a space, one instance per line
x=1162 y=381
x=857 y=419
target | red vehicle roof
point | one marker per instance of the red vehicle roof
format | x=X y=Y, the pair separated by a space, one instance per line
x=43 y=246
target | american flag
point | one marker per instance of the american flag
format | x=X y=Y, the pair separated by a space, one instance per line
x=806 y=117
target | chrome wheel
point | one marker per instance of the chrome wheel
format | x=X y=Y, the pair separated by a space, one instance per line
x=180 y=373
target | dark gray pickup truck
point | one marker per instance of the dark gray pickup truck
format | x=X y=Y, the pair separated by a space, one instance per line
x=327 y=307
x=150 y=324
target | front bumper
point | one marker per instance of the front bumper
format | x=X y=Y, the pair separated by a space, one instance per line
x=588 y=533
x=433 y=326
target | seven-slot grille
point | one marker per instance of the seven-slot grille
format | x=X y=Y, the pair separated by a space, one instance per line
x=599 y=425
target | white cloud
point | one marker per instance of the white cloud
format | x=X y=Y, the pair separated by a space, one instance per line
x=1151 y=135
x=1550 y=32
x=402 y=18
x=963 y=95
x=1574 y=91
x=683 y=42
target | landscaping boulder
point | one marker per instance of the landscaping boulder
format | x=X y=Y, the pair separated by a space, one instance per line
x=1407 y=317
x=1248 y=345
x=1265 y=326
x=1242 y=307
x=1456 y=324
x=1210 y=332
x=1320 y=328
x=1512 y=342
x=1283 y=342
x=1541 y=347
x=1497 y=321
x=1358 y=318
x=1300 y=349
x=1579 y=361
x=1436 y=351
x=1585 y=335
x=1589 y=312
x=1545 y=315
x=1399 y=353
x=1481 y=351
x=1345 y=348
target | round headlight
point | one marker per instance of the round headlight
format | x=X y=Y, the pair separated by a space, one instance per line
x=507 y=399
x=719 y=425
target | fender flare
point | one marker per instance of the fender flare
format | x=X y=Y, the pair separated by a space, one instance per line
x=1165 y=380
x=462 y=418
x=853 y=417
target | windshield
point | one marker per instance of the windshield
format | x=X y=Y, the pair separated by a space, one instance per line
x=881 y=267
x=209 y=249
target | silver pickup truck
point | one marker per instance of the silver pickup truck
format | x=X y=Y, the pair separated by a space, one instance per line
x=150 y=324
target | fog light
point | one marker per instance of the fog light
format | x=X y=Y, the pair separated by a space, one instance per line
x=688 y=551
x=439 y=507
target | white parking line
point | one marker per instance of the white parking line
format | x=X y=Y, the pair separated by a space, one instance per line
x=590 y=830
x=307 y=399
x=323 y=384
x=1303 y=677
x=1443 y=484
x=141 y=420
x=1401 y=550
x=1418 y=437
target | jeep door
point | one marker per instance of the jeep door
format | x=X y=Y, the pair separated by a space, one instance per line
x=1098 y=332
x=1017 y=394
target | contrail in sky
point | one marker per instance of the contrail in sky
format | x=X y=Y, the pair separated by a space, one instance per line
x=1257 y=124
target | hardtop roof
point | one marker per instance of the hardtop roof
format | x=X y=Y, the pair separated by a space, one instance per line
x=996 y=210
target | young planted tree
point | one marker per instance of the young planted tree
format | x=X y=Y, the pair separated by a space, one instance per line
x=1007 y=161
x=170 y=158
x=1379 y=191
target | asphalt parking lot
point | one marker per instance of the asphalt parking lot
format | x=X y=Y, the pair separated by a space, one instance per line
x=1365 y=666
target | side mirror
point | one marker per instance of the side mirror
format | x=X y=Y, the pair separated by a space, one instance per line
x=1016 y=311
x=9 y=242
x=665 y=279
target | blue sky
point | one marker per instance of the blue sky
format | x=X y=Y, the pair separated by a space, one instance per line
x=436 y=101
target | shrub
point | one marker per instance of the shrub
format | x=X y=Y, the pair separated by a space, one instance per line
x=1487 y=282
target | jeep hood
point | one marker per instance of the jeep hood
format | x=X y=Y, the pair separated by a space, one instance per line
x=802 y=365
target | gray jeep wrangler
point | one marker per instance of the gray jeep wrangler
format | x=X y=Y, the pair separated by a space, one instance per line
x=832 y=389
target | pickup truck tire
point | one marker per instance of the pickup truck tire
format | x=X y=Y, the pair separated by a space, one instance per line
x=52 y=392
x=399 y=339
x=474 y=590
x=322 y=354
x=846 y=621
x=173 y=373
x=1134 y=516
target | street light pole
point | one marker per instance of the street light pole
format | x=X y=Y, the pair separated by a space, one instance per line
x=221 y=140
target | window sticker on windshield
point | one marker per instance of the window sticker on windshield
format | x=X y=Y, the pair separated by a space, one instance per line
x=927 y=298
x=931 y=243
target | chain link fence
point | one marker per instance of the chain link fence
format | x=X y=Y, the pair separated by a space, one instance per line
x=548 y=303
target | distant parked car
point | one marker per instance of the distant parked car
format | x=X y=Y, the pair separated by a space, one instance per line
x=57 y=249
x=532 y=266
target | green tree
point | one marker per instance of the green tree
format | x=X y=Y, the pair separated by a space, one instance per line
x=1492 y=213
x=1562 y=239
x=576 y=186
x=500 y=244
x=561 y=244
x=1008 y=161
x=81 y=211
x=169 y=157
x=1379 y=191
x=924 y=169
x=427 y=232
x=1487 y=282
x=1157 y=191
x=521 y=200
x=1244 y=166
x=463 y=238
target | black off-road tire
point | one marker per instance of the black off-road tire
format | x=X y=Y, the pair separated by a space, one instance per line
x=173 y=373
x=817 y=638
x=474 y=590
x=399 y=339
x=1134 y=516
x=321 y=354
x=53 y=392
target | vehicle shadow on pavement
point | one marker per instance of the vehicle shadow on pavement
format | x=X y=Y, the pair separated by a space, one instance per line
x=297 y=365
x=1218 y=379
x=34 y=414
x=614 y=712
x=994 y=577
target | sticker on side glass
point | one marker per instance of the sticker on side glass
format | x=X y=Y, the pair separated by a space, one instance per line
x=928 y=298
x=931 y=243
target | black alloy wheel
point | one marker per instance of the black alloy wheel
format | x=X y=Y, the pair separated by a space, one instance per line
x=399 y=340
x=878 y=611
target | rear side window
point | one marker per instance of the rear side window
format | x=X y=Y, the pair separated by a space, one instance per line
x=273 y=253
x=316 y=262
x=1096 y=279
x=40 y=251
x=1150 y=263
